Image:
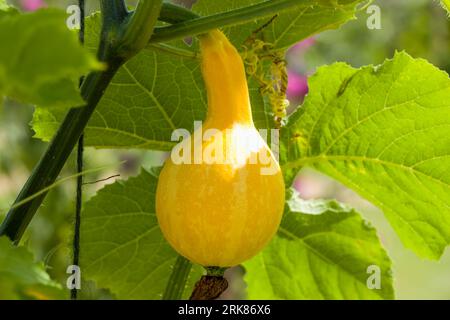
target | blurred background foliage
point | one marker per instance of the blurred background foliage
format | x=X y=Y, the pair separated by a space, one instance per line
x=419 y=27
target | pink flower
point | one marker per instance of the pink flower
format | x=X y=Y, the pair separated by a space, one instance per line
x=309 y=187
x=297 y=85
x=305 y=44
x=32 y=5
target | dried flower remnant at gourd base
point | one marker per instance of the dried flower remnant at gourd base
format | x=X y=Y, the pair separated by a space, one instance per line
x=221 y=214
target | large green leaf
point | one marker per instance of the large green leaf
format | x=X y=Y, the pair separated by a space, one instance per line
x=153 y=94
x=291 y=25
x=41 y=59
x=23 y=278
x=384 y=132
x=150 y=96
x=323 y=250
x=123 y=247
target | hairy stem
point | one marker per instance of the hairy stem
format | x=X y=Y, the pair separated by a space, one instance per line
x=172 y=13
x=139 y=28
x=113 y=51
x=200 y=25
x=177 y=280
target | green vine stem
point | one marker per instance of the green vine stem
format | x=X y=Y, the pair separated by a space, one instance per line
x=178 y=278
x=172 y=13
x=174 y=50
x=114 y=49
x=139 y=28
x=195 y=26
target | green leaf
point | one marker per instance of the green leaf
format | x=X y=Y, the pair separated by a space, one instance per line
x=446 y=5
x=150 y=96
x=153 y=94
x=41 y=60
x=21 y=277
x=123 y=247
x=322 y=251
x=6 y=9
x=292 y=25
x=384 y=132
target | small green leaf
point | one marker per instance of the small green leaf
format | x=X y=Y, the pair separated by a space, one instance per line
x=291 y=25
x=323 y=250
x=446 y=5
x=21 y=277
x=6 y=9
x=384 y=132
x=41 y=61
x=123 y=247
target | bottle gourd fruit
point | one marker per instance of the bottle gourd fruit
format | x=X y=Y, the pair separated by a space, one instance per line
x=223 y=203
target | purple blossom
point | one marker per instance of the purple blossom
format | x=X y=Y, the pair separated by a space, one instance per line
x=309 y=187
x=297 y=85
x=305 y=44
x=32 y=5
x=298 y=81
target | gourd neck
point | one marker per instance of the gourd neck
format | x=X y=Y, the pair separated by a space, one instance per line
x=226 y=83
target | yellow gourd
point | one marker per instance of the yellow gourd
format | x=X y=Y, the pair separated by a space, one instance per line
x=223 y=201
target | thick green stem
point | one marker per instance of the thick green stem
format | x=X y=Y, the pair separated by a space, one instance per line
x=177 y=280
x=112 y=51
x=172 y=13
x=201 y=25
x=113 y=11
x=139 y=29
